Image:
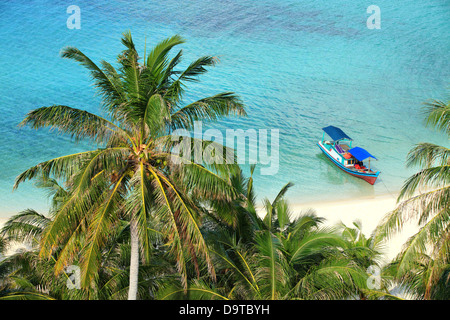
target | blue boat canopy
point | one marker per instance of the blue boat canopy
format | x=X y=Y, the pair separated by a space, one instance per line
x=336 y=133
x=360 y=154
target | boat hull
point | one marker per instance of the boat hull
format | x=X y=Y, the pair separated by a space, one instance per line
x=368 y=177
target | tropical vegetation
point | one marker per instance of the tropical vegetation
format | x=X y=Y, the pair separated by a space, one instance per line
x=132 y=219
x=423 y=266
x=131 y=176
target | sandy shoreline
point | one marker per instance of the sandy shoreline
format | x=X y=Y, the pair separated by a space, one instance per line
x=369 y=210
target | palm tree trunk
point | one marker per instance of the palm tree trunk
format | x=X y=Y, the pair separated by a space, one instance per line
x=134 y=261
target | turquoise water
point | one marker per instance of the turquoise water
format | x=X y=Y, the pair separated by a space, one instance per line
x=298 y=66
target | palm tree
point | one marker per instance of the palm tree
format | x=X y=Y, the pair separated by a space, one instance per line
x=277 y=257
x=132 y=175
x=425 y=196
x=366 y=252
x=24 y=275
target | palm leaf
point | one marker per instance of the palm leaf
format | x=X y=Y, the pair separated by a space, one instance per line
x=62 y=167
x=189 y=222
x=438 y=115
x=110 y=87
x=171 y=226
x=197 y=68
x=75 y=122
x=99 y=227
x=434 y=177
x=26 y=296
x=207 y=109
x=429 y=234
x=314 y=243
x=155 y=115
x=82 y=198
x=26 y=226
x=428 y=154
x=157 y=58
x=270 y=271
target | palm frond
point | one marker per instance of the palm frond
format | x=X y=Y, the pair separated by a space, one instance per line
x=419 y=207
x=99 y=227
x=157 y=58
x=155 y=115
x=207 y=109
x=62 y=167
x=27 y=226
x=198 y=290
x=75 y=122
x=127 y=41
x=205 y=183
x=188 y=220
x=332 y=279
x=197 y=68
x=306 y=222
x=82 y=198
x=282 y=192
x=379 y=295
x=109 y=87
x=313 y=243
x=242 y=271
x=438 y=115
x=270 y=273
x=428 y=235
x=428 y=178
x=428 y=154
x=23 y=295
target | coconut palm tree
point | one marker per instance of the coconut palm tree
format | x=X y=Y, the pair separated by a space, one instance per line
x=366 y=252
x=277 y=257
x=24 y=275
x=132 y=175
x=425 y=196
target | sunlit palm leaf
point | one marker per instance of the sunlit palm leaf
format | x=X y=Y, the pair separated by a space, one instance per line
x=427 y=155
x=27 y=226
x=438 y=115
x=100 y=225
x=78 y=123
x=109 y=87
x=157 y=60
x=207 y=109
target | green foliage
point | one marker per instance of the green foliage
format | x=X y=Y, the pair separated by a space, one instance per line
x=131 y=176
x=200 y=233
x=422 y=265
x=280 y=257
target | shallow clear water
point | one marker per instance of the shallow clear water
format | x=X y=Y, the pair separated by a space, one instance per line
x=298 y=65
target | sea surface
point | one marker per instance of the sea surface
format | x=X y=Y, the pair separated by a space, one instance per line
x=298 y=66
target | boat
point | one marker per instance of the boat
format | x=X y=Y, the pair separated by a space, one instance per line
x=350 y=160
